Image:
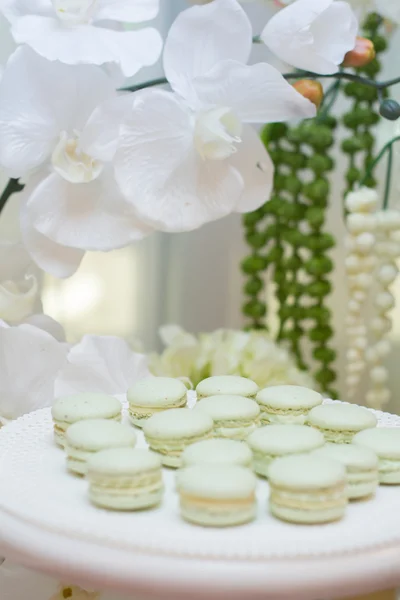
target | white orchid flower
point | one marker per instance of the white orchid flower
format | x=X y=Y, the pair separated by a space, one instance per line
x=189 y=157
x=87 y=31
x=313 y=35
x=101 y=363
x=19 y=286
x=30 y=361
x=55 y=121
x=18 y=583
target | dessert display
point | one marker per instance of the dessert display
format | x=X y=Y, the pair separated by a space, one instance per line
x=340 y=422
x=307 y=489
x=226 y=385
x=85 y=438
x=216 y=495
x=169 y=432
x=152 y=395
x=219 y=451
x=221 y=445
x=361 y=467
x=234 y=417
x=125 y=479
x=273 y=441
x=286 y=404
x=385 y=443
x=79 y=407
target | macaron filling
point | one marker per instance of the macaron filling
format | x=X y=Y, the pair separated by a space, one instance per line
x=211 y=512
x=140 y=414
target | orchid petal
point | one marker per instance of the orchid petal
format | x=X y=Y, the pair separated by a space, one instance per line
x=127 y=11
x=202 y=36
x=163 y=176
x=48 y=324
x=256 y=169
x=101 y=363
x=257 y=93
x=15 y=9
x=49 y=37
x=53 y=258
x=41 y=356
x=17 y=300
x=38 y=100
x=99 y=137
x=312 y=35
x=90 y=216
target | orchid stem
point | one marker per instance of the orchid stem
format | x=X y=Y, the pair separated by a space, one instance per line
x=386 y=148
x=12 y=186
x=145 y=84
x=379 y=85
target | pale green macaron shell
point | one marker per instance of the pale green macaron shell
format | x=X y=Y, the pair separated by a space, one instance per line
x=273 y=441
x=80 y=407
x=231 y=385
x=154 y=394
x=85 y=438
x=361 y=467
x=286 y=404
x=385 y=442
x=307 y=489
x=234 y=416
x=217 y=495
x=218 y=451
x=169 y=432
x=125 y=479
x=339 y=422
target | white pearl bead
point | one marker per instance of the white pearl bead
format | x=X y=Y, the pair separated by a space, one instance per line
x=377 y=398
x=353 y=355
x=368 y=263
x=352 y=380
x=351 y=320
x=362 y=200
x=384 y=301
x=387 y=273
x=356 y=331
x=358 y=223
x=371 y=354
x=378 y=375
x=363 y=281
x=364 y=242
x=356 y=367
x=383 y=348
x=388 y=249
x=360 y=296
x=354 y=307
x=360 y=342
x=352 y=264
x=380 y=325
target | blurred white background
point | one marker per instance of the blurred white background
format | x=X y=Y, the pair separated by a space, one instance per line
x=191 y=279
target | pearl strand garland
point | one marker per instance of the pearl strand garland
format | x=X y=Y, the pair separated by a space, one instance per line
x=387 y=250
x=359 y=264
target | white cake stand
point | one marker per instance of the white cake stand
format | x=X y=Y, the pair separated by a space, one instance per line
x=47 y=523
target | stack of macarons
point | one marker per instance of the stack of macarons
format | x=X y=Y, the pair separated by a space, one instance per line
x=315 y=456
x=100 y=447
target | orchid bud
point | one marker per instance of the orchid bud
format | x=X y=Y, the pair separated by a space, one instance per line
x=362 y=54
x=310 y=89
